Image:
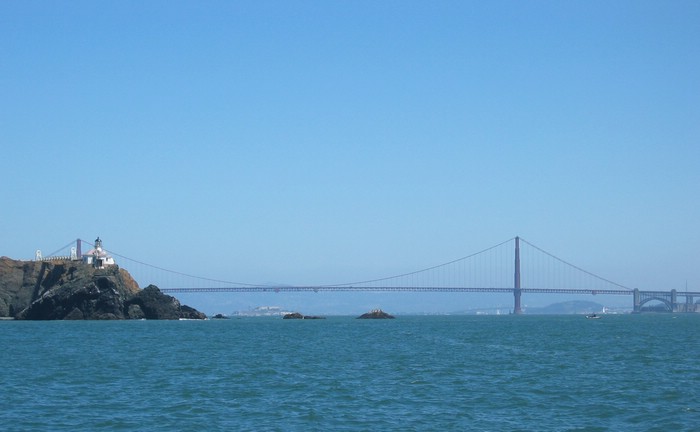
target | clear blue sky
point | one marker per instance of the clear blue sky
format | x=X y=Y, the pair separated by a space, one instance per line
x=309 y=142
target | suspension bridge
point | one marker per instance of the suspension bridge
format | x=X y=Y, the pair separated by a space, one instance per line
x=513 y=267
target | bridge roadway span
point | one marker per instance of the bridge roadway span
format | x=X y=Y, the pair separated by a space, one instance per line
x=321 y=288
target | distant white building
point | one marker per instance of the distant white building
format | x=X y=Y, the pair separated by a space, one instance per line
x=97 y=257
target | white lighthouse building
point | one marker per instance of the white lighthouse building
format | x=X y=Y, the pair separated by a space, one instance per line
x=97 y=257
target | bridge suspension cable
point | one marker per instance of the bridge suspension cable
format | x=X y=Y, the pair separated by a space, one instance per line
x=202 y=278
x=403 y=275
x=575 y=267
x=61 y=249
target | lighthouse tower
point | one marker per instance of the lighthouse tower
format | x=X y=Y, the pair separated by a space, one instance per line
x=98 y=257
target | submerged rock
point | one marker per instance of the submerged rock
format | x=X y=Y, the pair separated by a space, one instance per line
x=376 y=314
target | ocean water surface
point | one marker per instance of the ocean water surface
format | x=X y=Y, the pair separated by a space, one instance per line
x=462 y=373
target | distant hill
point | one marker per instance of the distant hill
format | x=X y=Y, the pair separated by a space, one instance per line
x=568 y=307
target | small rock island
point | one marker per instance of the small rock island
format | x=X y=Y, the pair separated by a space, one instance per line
x=297 y=315
x=376 y=314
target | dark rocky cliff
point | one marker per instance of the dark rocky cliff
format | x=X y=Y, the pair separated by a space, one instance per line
x=55 y=290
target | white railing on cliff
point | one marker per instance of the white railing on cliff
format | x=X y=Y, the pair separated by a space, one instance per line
x=72 y=257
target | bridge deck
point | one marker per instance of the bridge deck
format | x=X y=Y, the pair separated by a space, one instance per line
x=394 y=289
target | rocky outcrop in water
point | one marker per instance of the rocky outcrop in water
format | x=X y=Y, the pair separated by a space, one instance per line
x=188 y=312
x=72 y=290
x=376 y=314
x=297 y=315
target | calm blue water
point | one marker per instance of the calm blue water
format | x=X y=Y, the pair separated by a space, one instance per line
x=495 y=373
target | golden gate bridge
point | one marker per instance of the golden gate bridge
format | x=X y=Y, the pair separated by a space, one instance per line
x=514 y=267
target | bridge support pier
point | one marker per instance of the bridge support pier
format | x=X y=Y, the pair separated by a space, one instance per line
x=674 y=300
x=517 y=310
x=637 y=305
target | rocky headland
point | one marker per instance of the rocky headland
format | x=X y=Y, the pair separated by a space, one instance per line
x=73 y=290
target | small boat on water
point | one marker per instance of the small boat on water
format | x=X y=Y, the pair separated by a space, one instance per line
x=593 y=316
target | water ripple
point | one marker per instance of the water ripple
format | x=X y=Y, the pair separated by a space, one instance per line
x=420 y=373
